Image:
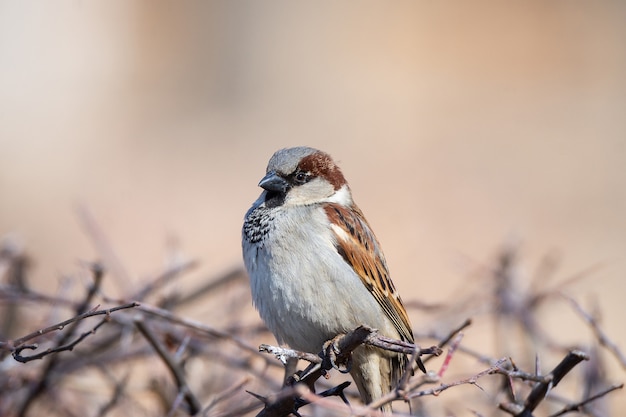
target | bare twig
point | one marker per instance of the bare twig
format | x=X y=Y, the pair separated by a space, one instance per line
x=603 y=339
x=453 y=347
x=471 y=380
x=197 y=326
x=540 y=390
x=66 y=347
x=354 y=410
x=212 y=285
x=167 y=276
x=336 y=353
x=13 y=294
x=580 y=405
x=177 y=372
x=344 y=344
x=104 y=247
x=282 y=354
x=228 y=392
x=118 y=392
x=12 y=345
x=450 y=336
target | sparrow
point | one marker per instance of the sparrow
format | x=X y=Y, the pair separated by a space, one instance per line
x=316 y=268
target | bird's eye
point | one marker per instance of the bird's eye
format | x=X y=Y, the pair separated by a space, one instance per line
x=301 y=177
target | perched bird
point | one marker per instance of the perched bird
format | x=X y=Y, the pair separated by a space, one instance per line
x=316 y=269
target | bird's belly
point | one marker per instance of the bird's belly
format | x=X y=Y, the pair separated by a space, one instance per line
x=309 y=295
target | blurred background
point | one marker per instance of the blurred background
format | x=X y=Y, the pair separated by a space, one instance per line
x=461 y=126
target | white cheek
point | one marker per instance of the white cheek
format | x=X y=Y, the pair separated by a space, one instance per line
x=315 y=191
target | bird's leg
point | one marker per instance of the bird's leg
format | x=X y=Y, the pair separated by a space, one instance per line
x=338 y=359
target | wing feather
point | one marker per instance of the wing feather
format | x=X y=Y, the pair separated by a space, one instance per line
x=358 y=246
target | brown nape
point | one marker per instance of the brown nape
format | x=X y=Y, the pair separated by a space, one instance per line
x=320 y=164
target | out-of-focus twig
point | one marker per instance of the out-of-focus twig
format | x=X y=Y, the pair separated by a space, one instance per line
x=173 y=366
x=167 y=276
x=212 y=285
x=580 y=405
x=196 y=326
x=603 y=339
x=228 y=392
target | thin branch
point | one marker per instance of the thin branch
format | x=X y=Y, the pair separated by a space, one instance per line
x=335 y=354
x=339 y=348
x=118 y=393
x=66 y=347
x=167 y=276
x=12 y=345
x=14 y=294
x=450 y=336
x=541 y=389
x=212 y=285
x=471 y=380
x=580 y=405
x=228 y=392
x=197 y=326
x=453 y=347
x=282 y=354
x=103 y=247
x=177 y=372
x=603 y=339
x=354 y=410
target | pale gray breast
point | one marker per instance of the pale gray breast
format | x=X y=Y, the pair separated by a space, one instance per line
x=304 y=290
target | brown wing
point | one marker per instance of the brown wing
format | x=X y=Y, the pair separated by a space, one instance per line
x=357 y=244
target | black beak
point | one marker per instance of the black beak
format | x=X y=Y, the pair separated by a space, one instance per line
x=273 y=182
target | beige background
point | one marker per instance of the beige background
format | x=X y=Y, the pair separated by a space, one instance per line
x=460 y=125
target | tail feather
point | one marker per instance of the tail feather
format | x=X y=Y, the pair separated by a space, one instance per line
x=376 y=373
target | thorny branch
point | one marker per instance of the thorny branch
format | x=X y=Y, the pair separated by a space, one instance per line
x=579 y=406
x=229 y=346
x=17 y=345
x=173 y=366
x=335 y=355
x=602 y=338
x=67 y=347
x=550 y=381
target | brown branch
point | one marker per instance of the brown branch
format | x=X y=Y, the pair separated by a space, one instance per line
x=103 y=247
x=603 y=339
x=14 y=294
x=118 y=392
x=165 y=277
x=196 y=326
x=541 y=389
x=335 y=354
x=487 y=360
x=66 y=347
x=12 y=345
x=212 y=285
x=172 y=365
x=228 y=392
x=354 y=410
x=338 y=350
x=63 y=338
x=450 y=336
x=580 y=405
x=471 y=380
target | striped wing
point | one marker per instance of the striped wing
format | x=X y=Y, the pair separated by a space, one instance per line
x=357 y=244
